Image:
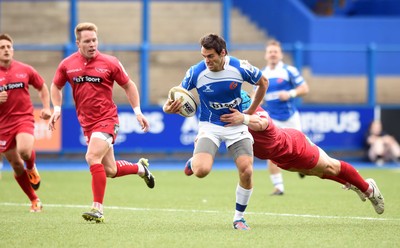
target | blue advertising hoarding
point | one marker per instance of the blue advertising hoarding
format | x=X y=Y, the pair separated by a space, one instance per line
x=332 y=128
x=337 y=128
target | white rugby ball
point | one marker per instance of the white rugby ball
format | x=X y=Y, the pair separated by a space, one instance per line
x=189 y=105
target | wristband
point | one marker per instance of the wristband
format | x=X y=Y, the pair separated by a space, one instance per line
x=137 y=111
x=246 y=119
x=57 y=109
x=293 y=93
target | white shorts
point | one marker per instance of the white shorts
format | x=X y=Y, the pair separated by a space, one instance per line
x=219 y=134
x=293 y=122
x=104 y=136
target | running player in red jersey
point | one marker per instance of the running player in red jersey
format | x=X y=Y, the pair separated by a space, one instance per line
x=291 y=150
x=16 y=118
x=91 y=75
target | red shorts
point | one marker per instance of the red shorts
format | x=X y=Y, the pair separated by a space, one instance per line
x=7 y=139
x=304 y=156
x=111 y=128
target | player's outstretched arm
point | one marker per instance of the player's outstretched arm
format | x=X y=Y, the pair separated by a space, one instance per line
x=254 y=122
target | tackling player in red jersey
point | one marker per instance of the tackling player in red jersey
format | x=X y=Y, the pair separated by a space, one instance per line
x=16 y=118
x=91 y=75
x=291 y=150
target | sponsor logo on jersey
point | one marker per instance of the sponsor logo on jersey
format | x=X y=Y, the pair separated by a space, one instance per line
x=224 y=105
x=208 y=89
x=87 y=79
x=12 y=86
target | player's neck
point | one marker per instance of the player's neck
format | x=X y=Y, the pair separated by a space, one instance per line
x=5 y=63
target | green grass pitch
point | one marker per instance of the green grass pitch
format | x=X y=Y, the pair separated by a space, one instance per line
x=186 y=211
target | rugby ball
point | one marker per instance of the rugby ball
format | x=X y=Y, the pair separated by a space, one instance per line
x=189 y=105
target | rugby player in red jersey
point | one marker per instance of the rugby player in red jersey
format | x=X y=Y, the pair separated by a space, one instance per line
x=16 y=118
x=91 y=75
x=291 y=150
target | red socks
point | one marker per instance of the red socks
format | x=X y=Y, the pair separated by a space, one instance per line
x=348 y=174
x=99 y=181
x=23 y=181
x=31 y=161
x=125 y=168
x=351 y=175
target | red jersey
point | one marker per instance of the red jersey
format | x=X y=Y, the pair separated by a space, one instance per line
x=92 y=85
x=16 y=80
x=286 y=147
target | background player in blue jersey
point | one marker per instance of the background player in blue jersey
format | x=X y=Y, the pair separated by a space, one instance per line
x=285 y=84
x=218 y=79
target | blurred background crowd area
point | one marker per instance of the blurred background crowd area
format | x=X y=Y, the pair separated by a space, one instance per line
x=334 y=38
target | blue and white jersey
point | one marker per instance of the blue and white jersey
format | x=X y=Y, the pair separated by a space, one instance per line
x=282 y=77
x=219 y=91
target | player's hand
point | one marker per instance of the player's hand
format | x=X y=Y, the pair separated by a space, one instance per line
x=172 y=107
x=284 y=95
x=233 y=119
x=143 y=122
x=45 y=114
x=53 y=119
x=3 y=96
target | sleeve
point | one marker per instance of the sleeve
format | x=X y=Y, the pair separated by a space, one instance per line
x=295 y=76
x=249 y=72
x=119 y=73
x=60 y=78
x=35 y=79
x=188 y=81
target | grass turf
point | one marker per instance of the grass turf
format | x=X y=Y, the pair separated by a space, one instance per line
x=186 y=211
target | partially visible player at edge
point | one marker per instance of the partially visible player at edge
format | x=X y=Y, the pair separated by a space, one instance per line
x=291 y=150
x=218 y=79
x=91 y=75
x=285 y=84
x=17 y=120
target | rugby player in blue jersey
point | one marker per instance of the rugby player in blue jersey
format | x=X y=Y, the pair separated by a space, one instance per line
x=285 y=84
x=218 y=79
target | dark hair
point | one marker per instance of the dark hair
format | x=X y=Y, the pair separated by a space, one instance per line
x=213 y=41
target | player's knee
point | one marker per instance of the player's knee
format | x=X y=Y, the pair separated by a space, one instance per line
x=91 y=158
x=25 y=154
x=201 y=168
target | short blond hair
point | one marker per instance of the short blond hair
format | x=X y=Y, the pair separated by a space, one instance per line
x=6 y=37
x=273 y=42
x=84 y=26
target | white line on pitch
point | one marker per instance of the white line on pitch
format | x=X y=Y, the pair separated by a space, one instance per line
x=206 y=211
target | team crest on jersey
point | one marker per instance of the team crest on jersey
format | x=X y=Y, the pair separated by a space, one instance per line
x=21 y=75
x=101 y=70
x=279 y=80
x=224 y=105
x=233 y=85
x=246 y=65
